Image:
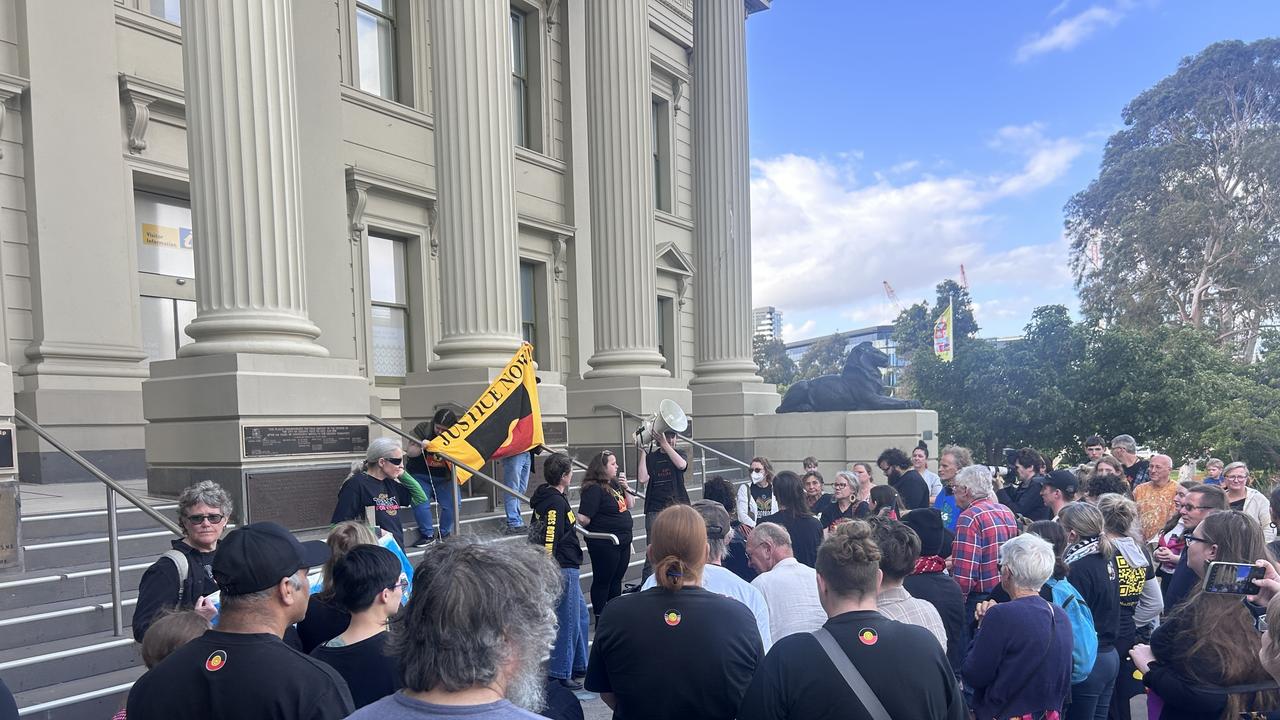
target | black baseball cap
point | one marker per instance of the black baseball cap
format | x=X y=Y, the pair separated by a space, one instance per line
x=257 y=556
x=1064 y=480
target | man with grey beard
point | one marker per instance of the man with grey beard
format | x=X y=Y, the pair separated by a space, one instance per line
x=472 y=639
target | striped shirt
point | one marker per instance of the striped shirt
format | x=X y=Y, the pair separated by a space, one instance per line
x=981 y=529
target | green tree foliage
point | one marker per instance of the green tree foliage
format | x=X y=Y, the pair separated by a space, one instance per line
x=775 y=365
x=1169 y=386
x=825 y=357
x=1182 y=224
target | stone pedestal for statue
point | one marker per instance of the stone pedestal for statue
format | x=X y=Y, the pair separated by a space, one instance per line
x=838 y=438
x=595 y=427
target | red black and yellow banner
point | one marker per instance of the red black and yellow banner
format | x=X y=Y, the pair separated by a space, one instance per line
x=505 y=421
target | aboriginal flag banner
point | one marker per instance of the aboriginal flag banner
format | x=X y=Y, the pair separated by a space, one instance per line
x=505 y=421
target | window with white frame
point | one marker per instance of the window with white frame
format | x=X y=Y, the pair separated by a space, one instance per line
x=520 y=79
x=170 y=10
x=660 y=139
x=666 y=333
x=376 y=47
x=389 y=306
x=529 y=305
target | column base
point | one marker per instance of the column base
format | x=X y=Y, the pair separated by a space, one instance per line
x=726 y=413
x=198 y=410
x=627 y=364
x=839 y=438
x=594 y=427
x=100 y=415
x=717 y=372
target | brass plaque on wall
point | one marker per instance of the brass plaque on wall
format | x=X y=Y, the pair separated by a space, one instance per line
x=276 y=440
x=297 y=499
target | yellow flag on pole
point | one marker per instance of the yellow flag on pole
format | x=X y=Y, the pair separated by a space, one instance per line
x=943 y=340
x=505 y=421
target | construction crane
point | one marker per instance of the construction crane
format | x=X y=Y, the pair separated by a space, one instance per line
x=893 y=297
x=964 y=279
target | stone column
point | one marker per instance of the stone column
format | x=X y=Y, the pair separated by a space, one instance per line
x=256 y=403
x=618 y=131
x=721 y=194
x=479 y=283
x=242 y=132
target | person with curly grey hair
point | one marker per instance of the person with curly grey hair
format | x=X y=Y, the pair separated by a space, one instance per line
x=800 y=679
x=183 y=577
x=472 y=639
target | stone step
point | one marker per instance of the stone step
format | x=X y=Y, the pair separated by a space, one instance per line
x=67 y=659
x=53 y=526
x=94 y=697
x=25 y=627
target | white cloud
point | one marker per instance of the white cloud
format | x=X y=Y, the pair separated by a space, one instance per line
x=1070 y=32
x=823 y=244
x=792 y=333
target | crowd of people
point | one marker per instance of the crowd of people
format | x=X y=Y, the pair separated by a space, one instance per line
x=984 y=592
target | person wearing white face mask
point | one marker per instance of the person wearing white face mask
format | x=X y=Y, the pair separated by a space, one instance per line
x=756 y=500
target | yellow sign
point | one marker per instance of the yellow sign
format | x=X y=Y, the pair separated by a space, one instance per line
x=165 y=236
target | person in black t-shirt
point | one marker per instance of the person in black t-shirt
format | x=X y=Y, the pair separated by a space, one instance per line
x=1029 y=466
x=675 y=650
x=243 y=669
x=805 y=530
x=605 y=506
x=661 y=478
x=843 y=506
x=370 y=585
x=372 y=483
x=797 y=680
x=551 y=508
x=911 y=487
x=816 y=500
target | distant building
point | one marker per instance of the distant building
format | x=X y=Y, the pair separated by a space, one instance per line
x=880 y=336
x=767 y=322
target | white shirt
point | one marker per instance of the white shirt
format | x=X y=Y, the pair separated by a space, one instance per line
x=934 y=482
x=791 y=590
x=723 y=582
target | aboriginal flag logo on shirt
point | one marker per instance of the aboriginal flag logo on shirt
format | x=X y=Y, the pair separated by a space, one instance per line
x=505 y=421
x=216 y=661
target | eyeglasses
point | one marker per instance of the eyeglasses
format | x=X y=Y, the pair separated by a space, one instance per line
x=392 y=460
x=402 y=585
x=1236 y=477
x=840 y=486
x=1194 y=539
x=757 y=469
x=213 y=519
x=1189 y=507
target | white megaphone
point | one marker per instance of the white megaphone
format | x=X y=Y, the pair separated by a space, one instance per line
x=668 y=417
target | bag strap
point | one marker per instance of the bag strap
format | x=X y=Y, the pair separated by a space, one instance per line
x=865 y=694
x=179 y=561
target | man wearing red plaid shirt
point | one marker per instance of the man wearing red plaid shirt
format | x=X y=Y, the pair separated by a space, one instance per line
x=982 y=527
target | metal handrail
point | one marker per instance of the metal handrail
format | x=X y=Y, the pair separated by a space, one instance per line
x=579 y=464
x=454 y=464
x=681 y=436
x=113 y=528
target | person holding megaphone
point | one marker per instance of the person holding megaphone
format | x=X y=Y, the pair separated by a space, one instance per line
x=661 y=478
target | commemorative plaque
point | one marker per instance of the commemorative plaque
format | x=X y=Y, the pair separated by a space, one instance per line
x=278 y=440
x=6 y=449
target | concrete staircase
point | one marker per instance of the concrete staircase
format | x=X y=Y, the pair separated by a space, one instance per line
x=58 y=654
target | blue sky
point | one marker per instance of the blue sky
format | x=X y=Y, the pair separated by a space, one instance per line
x=895 y=141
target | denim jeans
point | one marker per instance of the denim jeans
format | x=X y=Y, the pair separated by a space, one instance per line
x=515 y=475
x=1091 y=697
x=569 y=653
x=443 y=489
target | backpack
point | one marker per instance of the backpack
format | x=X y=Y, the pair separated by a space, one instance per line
x=1084 y=637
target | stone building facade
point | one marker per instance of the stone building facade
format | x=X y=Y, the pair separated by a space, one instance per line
x=317 y=210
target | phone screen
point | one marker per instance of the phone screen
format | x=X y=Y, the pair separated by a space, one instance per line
x=1232 y=578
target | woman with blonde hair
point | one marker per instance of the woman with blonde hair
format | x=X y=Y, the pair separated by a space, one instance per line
x=1091 y=570
x=676 y=630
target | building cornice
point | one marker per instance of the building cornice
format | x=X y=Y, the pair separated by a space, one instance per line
x=11 y=87
x=386 y=107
